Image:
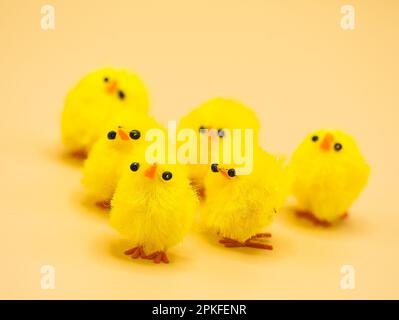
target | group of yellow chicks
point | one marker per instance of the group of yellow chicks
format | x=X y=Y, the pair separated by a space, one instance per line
x=153 y=205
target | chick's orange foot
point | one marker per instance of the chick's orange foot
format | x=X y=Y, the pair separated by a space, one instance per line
x=135 y=253
x=79 y=154
x=231 y=243
x=105 y=204
x=158 y=257
x=310 y=217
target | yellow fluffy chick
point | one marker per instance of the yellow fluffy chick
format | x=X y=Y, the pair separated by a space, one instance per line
x=153 y=207
x=103 y=167
x=93 y=101
x=238 y=207
x=212 y=118
x=329 y=174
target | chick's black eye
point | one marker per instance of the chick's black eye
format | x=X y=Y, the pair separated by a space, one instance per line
x=106 y=79
x=231 y=173
x=221 y=133
x=214 y=167
x=135 y=134
x=121 y=94
x=315 y=138
x=111 y=135
x=134 y=166
x=338 y=147
x=167 y=175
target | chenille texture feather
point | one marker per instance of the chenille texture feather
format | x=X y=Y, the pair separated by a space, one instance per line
x=125 y=134
x=329 y=174
x=154 y=214
x=95 y=99
x=240 y=207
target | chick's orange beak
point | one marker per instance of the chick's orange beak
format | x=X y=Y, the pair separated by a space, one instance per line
x=325 y=145
x=150 y=172
x=224 y=173
x=111 y=87
x=123 y=134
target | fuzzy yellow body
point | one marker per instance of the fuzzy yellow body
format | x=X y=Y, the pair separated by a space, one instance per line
x=103 y=168
x=240 y=207
x=216 y=114
x=150 y=212
x=108 y=157
x=94 y=100
x=329 y=174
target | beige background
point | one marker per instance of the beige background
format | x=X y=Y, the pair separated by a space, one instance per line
x=289 y=60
